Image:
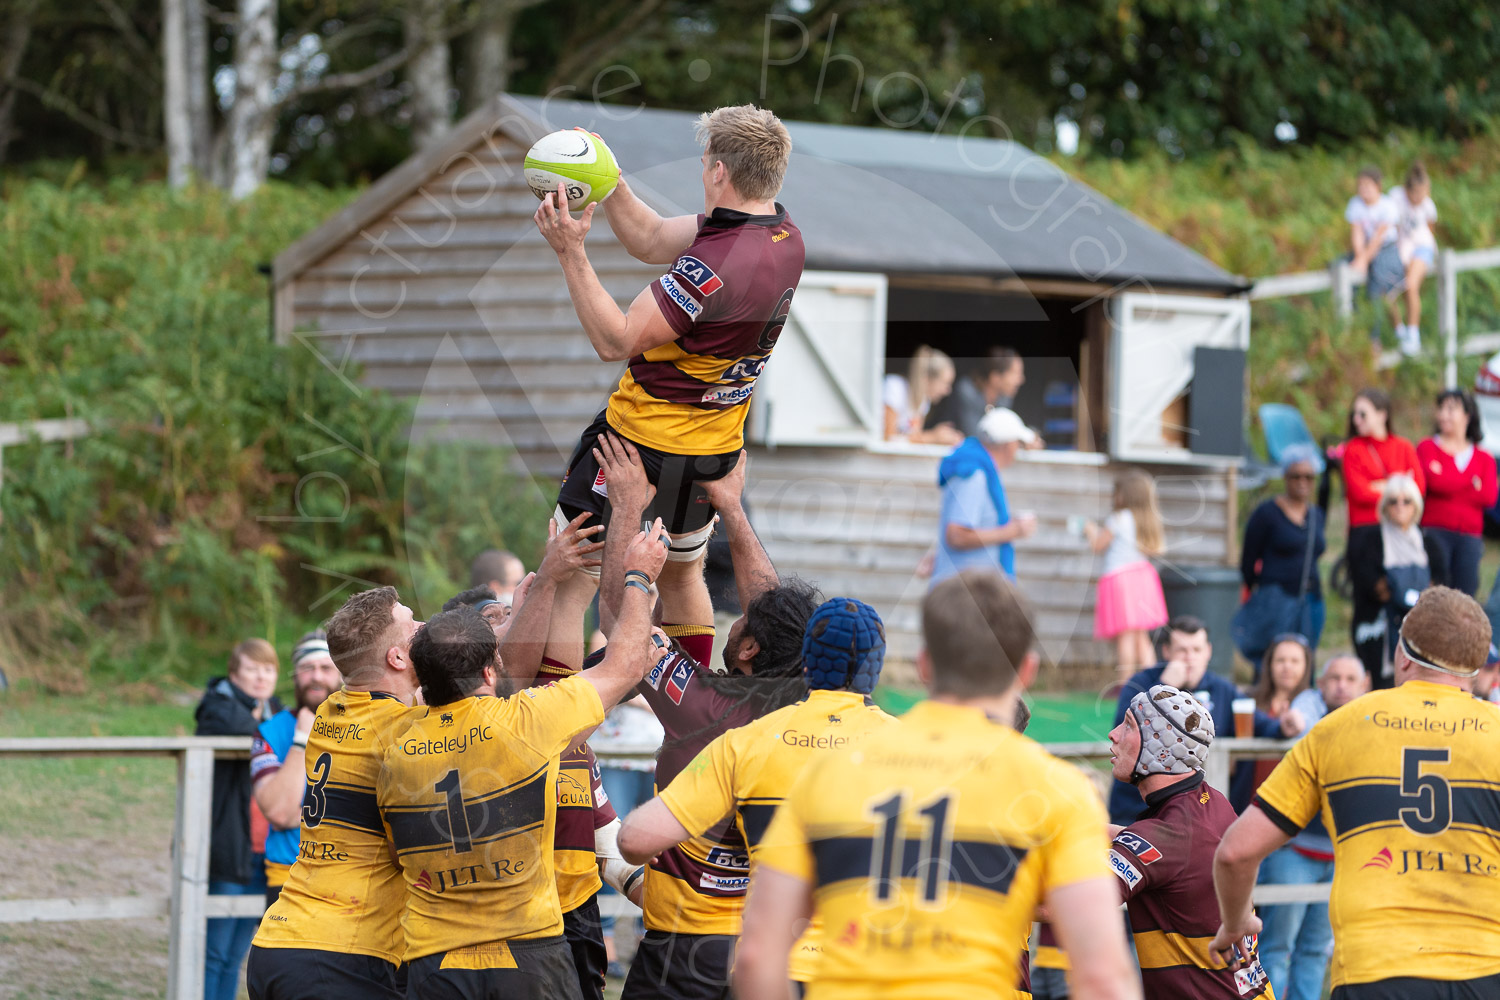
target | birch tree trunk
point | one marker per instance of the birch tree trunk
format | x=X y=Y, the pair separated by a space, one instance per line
x=17 y=37
x=252 y=120
x=200 y=113
x=175 y=115
x=428 y=70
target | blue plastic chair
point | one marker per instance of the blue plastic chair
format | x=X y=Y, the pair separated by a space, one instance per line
x=1284 y=427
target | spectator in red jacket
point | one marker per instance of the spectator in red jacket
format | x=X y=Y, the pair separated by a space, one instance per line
x=1461 y=486
x=1371 y=455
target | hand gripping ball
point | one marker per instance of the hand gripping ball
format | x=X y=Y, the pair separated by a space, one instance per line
x=844 y=646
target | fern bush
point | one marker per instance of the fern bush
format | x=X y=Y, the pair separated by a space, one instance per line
x=231 y=486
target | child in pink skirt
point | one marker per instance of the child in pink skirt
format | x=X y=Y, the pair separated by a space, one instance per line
x=1130 y=603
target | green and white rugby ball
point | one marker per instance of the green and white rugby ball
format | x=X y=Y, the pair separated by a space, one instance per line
x=577 y=159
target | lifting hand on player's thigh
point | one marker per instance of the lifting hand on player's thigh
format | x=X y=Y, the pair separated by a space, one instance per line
x=569 y=550
x=629 y=487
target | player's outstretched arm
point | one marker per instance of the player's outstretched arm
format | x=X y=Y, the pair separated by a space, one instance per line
x=645 y=235
x=632 y=649
x=753 y=572
x=777 y=911
x=525 y=642
x=616 y=336
x=1086 y=917
x=630 y=493
x=1249 y=841
x=650 y=830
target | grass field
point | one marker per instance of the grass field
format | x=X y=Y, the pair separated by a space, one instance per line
x=86 y=827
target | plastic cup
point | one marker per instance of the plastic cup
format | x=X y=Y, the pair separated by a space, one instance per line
x=1244 y=718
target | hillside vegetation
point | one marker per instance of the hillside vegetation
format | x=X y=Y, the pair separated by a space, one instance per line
x=231 y=486
x=235 y=487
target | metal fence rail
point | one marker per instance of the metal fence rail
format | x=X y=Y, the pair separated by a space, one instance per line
x=189 y=906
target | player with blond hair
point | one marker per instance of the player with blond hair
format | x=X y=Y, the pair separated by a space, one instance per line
x=696 y=339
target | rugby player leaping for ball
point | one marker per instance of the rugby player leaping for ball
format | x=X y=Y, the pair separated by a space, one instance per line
x=698 y=337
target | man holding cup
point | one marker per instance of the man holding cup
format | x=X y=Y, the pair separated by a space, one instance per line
x=977 y=528
x=1185 y=666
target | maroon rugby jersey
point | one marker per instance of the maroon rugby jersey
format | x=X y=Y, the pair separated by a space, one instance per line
x=697 y=887
x=727 y=297
x=1165 y=864
x=582 y=808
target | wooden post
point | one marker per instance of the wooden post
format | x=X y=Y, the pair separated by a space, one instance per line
x=1216 y=768
x=190 y=837
x=1447 y=291
x=1343 y=288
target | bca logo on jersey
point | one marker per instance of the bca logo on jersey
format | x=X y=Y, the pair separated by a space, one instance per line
x=1139 y=846
x=699 y=275
x=725 y=858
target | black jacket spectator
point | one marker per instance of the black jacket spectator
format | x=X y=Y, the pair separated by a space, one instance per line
x=1280 y=549
x=227 y=711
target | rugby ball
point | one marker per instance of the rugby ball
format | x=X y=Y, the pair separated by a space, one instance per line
x=576 y=158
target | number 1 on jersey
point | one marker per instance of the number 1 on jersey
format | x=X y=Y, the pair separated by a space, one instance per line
x=458 y=817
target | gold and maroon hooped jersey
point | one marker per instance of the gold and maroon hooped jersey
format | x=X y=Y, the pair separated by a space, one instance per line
x=582 y=808
x=727 y=297
x=1165 y=864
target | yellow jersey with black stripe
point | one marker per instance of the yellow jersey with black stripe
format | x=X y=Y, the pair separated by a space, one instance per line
x=746 y=773
x=1408 y=780
x=469 y=797
x=928 y=849
x=343 y=893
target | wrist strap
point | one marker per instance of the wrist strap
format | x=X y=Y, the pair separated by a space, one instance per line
x=299 y=741
x=639 y=586
x=642 y=574
x=633 y=879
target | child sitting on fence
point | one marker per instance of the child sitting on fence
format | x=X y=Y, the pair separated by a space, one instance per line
x=1130 y=603
x=1417 y=248
x=1373 y=224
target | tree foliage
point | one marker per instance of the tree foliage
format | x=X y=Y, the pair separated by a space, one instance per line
x=1183 y=76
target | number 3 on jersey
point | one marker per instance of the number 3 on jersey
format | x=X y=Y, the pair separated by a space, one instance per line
x=888 y=852
x=1430 y=796
x=316 y=804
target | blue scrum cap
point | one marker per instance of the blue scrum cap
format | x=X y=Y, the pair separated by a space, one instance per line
x=844 y=646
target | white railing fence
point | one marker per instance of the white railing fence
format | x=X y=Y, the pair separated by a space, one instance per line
x=189 y=905
x=1341 y=280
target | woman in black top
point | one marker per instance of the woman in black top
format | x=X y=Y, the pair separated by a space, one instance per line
x=1276 y=554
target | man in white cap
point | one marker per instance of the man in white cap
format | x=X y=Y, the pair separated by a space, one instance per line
x=977 y=528
x=1164 y=860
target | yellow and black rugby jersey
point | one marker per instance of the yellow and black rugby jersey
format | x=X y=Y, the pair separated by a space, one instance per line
x=582 y=808
x=928 y=853
x=469 y=797
x=1408 y=780
x=746 y=773
x=727 y=297
x=343 y=893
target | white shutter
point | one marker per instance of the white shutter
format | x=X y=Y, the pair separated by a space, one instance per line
x=1152 y=348
x=822 y=384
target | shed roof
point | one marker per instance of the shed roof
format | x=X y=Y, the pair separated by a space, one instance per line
x=866 y=199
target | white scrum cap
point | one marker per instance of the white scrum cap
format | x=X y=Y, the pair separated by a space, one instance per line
x=1176 y=731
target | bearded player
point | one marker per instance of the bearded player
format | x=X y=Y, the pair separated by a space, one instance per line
x=926 y=854
x=696 y=339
